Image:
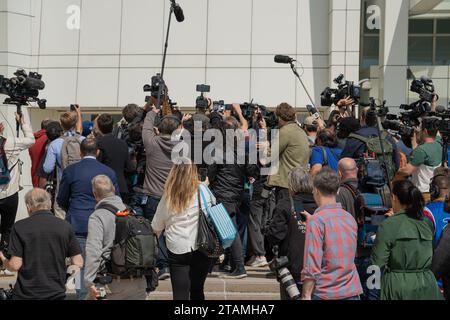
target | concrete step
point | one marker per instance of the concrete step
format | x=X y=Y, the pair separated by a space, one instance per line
x=256 y=296
x=255 y=287
x=246 y=285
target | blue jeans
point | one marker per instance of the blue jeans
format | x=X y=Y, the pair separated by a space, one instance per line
x=149 y=212
x=83 y=291
x=361 y=266
x=354 y=298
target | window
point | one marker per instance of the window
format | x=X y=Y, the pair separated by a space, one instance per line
x=442 y=51
x=370 y=39
x=429 y=42
x=420 y=51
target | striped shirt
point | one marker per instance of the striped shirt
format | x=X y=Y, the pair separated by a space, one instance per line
x=330 y=247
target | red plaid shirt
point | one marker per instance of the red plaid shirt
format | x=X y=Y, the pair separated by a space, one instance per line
x=330 y=247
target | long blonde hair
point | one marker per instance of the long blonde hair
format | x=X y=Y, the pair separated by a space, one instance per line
x=181 y=185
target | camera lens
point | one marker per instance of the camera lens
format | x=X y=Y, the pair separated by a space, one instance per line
x=289 y=284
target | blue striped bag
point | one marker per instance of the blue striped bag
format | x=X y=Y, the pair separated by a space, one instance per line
x=221 y=220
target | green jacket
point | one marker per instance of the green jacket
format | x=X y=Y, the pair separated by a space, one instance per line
x=294 y=152
x=404 y=249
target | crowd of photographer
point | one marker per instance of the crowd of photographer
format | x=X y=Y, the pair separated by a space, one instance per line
x=356 y=208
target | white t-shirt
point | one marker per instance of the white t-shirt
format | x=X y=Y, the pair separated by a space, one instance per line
x=181 y=229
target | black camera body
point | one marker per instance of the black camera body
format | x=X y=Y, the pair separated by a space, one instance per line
x=425 y=88
x=278 y=263
x=249 y=109
x=220 y=106
x=201 y=102
x=23 y=88
x=345 y=89
x=154 y=88
x=399 y=127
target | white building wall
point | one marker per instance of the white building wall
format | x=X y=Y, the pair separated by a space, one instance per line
x=229 y=45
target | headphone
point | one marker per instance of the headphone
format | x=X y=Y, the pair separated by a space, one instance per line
x=435 y=191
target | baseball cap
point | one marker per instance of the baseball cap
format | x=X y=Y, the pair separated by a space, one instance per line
x=87 y=128
x=310 y=121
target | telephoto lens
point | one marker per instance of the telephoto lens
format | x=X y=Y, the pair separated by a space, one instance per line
x=289 y=284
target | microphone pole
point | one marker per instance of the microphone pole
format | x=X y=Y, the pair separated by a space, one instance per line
x=294 y=70
x=162 y=83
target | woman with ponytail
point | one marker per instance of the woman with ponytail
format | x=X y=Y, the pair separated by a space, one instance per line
x=404 y=248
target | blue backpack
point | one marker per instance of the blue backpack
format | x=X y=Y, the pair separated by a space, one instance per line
x=5 y=173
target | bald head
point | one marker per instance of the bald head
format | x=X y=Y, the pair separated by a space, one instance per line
x=38 y=200
x=348 y=169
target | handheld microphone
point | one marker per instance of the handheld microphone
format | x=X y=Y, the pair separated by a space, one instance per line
x=283 y=59
x=178 y=11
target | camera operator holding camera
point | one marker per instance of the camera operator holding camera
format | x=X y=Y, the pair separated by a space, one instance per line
x=11 y=170
x=425 y=158
x=287 y=228
x=293 y=147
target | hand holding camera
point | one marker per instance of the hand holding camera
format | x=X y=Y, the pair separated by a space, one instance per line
x=19 y=118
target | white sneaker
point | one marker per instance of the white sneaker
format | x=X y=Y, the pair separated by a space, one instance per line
x=148 y=296
x=251 y=261
x=7 y=273
x=259 y=262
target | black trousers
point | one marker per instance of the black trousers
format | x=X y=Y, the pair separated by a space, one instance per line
x=8 y=212
x=188 y=274
x=237 y=257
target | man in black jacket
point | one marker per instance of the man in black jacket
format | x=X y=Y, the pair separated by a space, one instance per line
x=227 y=184
x=286 y=229
x=114 y=153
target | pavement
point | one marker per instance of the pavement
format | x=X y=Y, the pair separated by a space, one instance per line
x=255 y=287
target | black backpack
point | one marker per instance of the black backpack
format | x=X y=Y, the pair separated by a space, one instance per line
x=135 y=248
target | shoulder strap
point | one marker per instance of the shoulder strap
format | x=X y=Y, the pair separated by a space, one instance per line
x=359 y=137
x=355 y=192
x=325 y=156
x=209 y=193
x=108 y=207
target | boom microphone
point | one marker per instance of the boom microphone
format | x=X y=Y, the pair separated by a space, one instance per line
x=283 y=59
x=178 y=11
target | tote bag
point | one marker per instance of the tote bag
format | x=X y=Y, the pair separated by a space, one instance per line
x=221 y=220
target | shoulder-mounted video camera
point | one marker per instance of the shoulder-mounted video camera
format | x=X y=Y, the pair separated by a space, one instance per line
x=345 y=89
x=23 y=88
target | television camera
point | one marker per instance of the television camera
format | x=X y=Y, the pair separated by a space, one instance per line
x=344 y=89
x=23 y=89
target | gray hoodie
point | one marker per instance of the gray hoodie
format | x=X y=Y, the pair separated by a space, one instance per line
x=101 y=234
x=159 y=163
